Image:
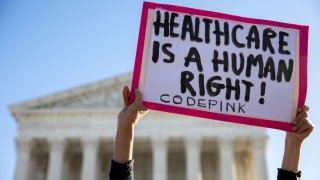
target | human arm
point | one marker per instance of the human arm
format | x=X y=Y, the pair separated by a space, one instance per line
x=302 y=128
x=129 y=116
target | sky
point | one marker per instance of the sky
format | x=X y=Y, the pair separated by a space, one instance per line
x=51 y=46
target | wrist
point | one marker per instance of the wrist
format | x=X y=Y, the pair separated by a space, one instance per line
x=292 y=153
x=125 y=124
x=292 y=149
x=292 y=141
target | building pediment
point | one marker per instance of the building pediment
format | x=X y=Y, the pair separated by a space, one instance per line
x=105 y=94
x=102 y=99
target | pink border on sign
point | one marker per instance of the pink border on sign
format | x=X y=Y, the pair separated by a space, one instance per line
x=303 y=60
x=303 y=56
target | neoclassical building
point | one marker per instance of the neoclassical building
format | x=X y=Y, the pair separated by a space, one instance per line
x=70 y=136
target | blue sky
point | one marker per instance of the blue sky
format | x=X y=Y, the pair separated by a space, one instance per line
x=50 y=46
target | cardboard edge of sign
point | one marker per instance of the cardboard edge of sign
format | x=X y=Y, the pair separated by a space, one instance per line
x=303 y=56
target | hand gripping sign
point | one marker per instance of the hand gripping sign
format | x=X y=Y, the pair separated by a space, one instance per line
x=221 y=66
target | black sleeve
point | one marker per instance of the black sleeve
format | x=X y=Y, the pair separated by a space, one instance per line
x=120 y=171
x=288 y=175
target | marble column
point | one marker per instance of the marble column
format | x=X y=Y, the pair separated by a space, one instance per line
x=159 y=153
x=89 y=163
x=56 y=157
x=259 y=147
x=227 y=164
x=193 y=152
x=23 y=158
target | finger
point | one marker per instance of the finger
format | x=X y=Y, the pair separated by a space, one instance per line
x=303 y=108
x=125 y=95
x=300 y=121
x=300 y=116
x=304 y=127
x=307 y=132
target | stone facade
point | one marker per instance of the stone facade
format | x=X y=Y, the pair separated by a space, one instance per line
x=70 y=136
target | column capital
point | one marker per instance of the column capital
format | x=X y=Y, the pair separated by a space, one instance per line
x=159 y=138
x=226 y=139
x=193 y=137
x=24 y=144
x=226 y=143
x=56 y=143
x=259 y=143
x=193 y=140
x=90 y=143
x=159 y=141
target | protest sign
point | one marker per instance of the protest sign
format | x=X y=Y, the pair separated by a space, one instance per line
x=221 y=66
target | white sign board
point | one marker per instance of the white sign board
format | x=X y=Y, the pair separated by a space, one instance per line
x=220 y=66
